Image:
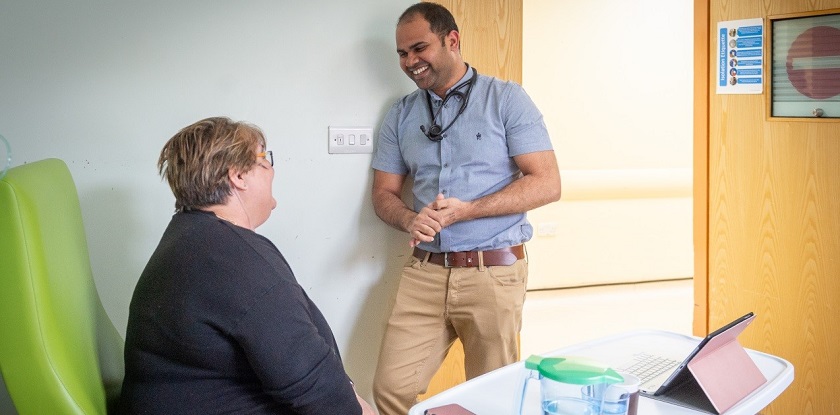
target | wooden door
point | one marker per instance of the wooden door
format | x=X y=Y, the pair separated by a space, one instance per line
x=769 y=218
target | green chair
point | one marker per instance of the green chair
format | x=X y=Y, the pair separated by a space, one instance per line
x=59 y=351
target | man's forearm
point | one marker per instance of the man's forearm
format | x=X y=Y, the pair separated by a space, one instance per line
x=539 y=185
x=392 y=210
x=522 y=195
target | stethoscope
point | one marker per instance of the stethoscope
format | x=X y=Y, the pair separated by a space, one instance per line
x=435 y=132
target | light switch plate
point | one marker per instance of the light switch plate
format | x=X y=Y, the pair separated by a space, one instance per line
x=350 y=140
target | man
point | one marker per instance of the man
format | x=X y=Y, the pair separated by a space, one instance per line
x=480 y=157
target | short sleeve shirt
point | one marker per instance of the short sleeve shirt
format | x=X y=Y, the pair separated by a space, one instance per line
x=473 y=159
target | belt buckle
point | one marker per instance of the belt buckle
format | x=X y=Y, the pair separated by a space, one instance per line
x=446 y=263
x=466 y=261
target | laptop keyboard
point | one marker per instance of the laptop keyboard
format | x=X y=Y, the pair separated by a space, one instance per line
x=646 y=366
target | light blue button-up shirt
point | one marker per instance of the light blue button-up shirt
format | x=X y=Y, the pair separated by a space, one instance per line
x=473 y=159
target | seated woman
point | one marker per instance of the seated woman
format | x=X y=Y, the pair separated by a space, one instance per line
x=218 y=323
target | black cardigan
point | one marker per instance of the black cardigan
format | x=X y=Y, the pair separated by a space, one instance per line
x=219 y=324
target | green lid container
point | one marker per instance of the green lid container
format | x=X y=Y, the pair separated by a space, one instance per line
x=573 y=370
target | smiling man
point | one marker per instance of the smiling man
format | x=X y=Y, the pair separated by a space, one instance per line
x=480 y=157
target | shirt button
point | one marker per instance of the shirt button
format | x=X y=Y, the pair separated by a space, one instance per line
x=446 y=165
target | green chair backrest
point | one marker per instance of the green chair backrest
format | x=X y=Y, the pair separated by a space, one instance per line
x=48 y=300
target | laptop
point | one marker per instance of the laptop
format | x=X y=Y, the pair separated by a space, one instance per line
x=660 y=373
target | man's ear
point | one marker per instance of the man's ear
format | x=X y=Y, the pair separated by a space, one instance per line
x=237 y=179
x=453 y=40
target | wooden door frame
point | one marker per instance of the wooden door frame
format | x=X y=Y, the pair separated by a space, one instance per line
x=702 y=73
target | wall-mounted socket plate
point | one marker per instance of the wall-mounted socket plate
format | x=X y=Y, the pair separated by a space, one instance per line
x=350 y=140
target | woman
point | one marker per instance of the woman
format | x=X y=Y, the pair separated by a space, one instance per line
x=218 y=322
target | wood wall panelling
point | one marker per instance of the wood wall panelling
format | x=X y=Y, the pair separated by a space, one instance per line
x=491 y=41
x=491 y=35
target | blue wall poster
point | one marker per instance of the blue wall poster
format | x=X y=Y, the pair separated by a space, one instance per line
x=740 y=57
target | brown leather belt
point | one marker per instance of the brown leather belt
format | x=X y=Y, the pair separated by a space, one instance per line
x=496 y=257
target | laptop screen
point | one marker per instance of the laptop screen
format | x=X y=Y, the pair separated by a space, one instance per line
x=708 y=341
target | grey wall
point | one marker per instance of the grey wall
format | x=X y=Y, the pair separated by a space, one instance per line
x=102 y=85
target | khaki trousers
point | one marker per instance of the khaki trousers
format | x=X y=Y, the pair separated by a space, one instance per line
x=435 y=305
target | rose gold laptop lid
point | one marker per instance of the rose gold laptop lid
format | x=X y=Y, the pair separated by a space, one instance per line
x=724 y=370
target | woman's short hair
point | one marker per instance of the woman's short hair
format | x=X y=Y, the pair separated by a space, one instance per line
x=196 y=160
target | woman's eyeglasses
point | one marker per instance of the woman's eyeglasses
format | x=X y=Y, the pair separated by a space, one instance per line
x=268 y=156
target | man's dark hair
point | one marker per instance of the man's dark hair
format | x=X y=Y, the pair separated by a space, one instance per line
x=441 y=21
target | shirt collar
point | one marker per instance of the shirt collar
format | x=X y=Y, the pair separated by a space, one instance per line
x=465 y=78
